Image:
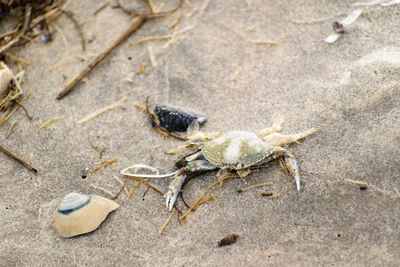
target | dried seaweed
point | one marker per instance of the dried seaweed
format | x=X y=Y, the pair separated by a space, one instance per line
x=28 y=14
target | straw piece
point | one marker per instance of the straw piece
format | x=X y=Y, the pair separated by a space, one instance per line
x=103 y=110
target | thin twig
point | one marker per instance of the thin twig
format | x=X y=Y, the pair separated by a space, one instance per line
x=166 y=223
x=356 y=182
x=263 y=42
x=57 y=65
x=103 y=164
x=122 y=189
x=28 y=10
x=10 y=128
x=100 y=8
x=141 y=18
x=23 y=61
x=136 y=185
x=71 y=84
x=3 y=120
x=101 y=111
x=145 y=192
x=150 y=38
x=47 y=123
x=70 y=15
x=275 y=195
x=252 y=186
x=23 y=107
x=102 y=190
x=11 y=155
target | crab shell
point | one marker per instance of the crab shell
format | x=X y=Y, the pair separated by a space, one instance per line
x=238 y=150
x=79 y=214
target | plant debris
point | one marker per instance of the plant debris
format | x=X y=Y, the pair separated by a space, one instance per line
x=377 y=2
x=136 y=185
x=266 y=194
x=166 y=223
x=9 y=131
x=241 y=190
x=228 y=240
x=140 y=19
x=103 y=164
x=356 y=182
x=271 y=195
x=200 y=198
x=11 y=155
x=47 y=123
x=101 y=111
x=263 y=42
x=33 y=18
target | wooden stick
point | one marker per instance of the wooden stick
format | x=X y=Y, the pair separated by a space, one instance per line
x=141 y=18
x=11 y=155
x=72 y=83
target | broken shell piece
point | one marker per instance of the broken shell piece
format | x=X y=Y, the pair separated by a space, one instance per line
x=344 y=23
x=176 y=120
x=79 y=214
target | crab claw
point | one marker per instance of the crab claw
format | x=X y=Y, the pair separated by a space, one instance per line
x=174 y=188
x=291 y=165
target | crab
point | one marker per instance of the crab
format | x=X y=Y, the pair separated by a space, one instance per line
x=232 y=151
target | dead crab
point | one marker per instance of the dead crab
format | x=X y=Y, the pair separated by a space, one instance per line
x=234 y=150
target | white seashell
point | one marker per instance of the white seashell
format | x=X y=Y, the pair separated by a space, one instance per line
x=79 y=214
x=6 y=77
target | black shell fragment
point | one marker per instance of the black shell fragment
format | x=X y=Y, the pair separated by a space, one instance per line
x=175 y=120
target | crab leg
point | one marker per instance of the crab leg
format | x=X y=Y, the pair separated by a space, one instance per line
x=277 y=139
x=175 y=186
x=291 y=165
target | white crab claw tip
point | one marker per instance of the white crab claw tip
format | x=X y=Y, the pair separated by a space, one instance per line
x=167 y=200
x=298 y=184
x=170 y=200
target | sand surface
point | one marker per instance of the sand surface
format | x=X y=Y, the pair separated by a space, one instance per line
x=219 y=66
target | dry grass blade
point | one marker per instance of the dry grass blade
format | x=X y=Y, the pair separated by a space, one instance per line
x=122 y=189
x=103 y=164
x=136 y=185
x=253 y=186
x=101 y=111
x=47 y=123
x=166 y=223
x=356 y=182
x=141 y=18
